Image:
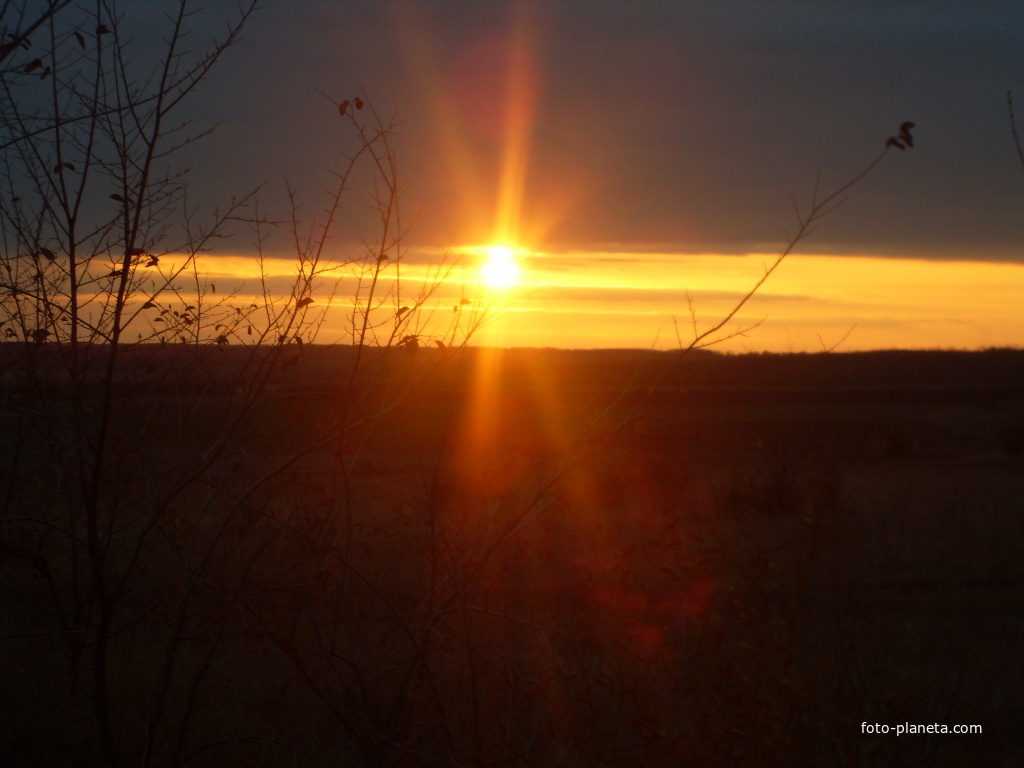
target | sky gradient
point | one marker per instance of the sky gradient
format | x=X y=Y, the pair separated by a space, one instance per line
x=635 y=151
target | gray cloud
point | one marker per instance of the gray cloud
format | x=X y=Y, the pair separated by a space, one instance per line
x=688 y=125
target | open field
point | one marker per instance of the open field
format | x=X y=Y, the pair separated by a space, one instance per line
x=536 y=557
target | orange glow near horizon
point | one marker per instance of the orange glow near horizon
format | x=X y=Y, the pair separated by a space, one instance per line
x=605 y=299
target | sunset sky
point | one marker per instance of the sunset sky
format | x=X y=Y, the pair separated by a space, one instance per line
x=638 y=151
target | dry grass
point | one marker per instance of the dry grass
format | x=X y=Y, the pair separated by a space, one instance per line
x=721 y=584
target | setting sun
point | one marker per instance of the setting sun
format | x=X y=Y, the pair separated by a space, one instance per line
x=500 y=269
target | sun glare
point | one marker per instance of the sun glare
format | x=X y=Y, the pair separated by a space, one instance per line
x=500 y=253
x=500 y=269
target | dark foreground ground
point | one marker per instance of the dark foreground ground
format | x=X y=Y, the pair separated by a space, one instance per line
x=531 y=557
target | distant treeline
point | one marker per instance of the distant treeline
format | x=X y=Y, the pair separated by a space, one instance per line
x=319 y=368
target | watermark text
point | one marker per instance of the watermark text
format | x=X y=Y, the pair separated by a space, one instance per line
x=902 y=729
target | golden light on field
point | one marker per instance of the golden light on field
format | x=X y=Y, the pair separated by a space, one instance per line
x=500 y=270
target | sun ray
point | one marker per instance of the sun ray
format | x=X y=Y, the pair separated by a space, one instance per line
x=520 y=114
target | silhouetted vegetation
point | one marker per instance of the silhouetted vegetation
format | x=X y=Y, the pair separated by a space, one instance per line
x=221 y=543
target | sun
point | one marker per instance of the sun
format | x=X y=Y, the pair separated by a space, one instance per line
x=500 y=269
